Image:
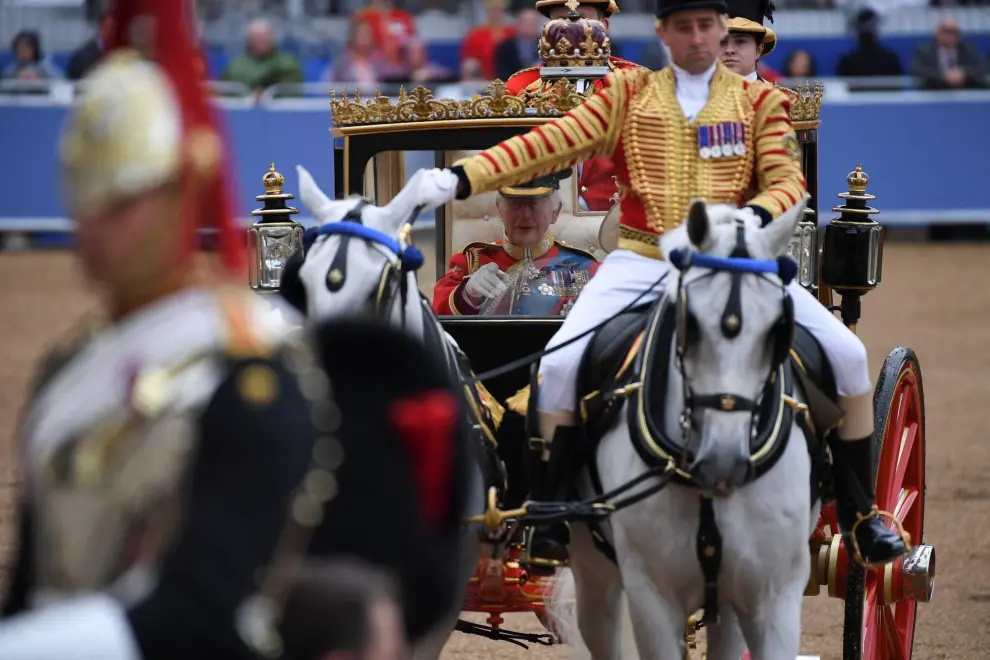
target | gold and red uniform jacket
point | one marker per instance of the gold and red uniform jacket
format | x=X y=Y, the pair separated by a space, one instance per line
x=597 y=185
x=740 y=149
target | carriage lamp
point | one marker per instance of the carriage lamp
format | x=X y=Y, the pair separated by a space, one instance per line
x=274 y=237
x=852 y=253
x=803 y=249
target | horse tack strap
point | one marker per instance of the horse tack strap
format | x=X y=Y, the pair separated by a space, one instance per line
x=710 y=558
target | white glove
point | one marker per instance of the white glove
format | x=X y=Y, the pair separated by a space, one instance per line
x=749 y=218
x=486 y=282
x=432 y=189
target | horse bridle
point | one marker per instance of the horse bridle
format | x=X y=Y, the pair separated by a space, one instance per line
x=392 y=279
x=737 y=264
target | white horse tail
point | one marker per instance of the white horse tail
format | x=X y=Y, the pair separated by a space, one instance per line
x=562 y=613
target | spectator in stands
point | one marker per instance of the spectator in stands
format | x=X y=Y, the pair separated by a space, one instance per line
x=343 y=610
x=480 y=43
x=472 y=81
x=29 y=62
x=91 y=52
x=473 y=71
x=520 y=52
x=391 y=26
x=655 y=54
x=948 y=62
x=799 y=64
x=361 y=62
x=262 y=64
x=870 y=58
x=421 y=68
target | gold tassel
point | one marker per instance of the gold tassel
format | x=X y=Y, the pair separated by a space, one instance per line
x=519 y=402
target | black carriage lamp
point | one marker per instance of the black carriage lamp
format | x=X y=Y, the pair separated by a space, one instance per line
x=852 y=254
x=274 y=237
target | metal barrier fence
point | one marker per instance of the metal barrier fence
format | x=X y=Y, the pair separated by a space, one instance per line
x=316 y=94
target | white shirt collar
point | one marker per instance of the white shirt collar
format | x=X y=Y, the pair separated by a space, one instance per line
x=751 y=76
x=692 y=90
x=691 y=79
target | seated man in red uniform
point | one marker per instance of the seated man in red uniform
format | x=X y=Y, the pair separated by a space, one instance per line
x=529 y=273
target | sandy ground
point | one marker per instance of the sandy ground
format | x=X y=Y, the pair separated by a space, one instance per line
x=935 y=299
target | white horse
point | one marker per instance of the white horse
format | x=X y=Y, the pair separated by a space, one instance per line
x=371 y=270
x=764 y=523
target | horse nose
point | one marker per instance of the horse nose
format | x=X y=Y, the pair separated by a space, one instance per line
x=720 y=471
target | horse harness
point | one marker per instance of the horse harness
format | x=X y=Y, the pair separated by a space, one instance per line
x=642 y=378
x=393 y=280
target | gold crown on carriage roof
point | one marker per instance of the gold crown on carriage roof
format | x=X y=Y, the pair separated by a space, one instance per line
x=497 y=103
x=574 y=42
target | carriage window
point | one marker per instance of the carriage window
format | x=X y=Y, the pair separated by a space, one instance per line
x=520 y=252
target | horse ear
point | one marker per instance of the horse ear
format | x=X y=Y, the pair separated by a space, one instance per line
x=698 y=224
x=315 y=199
x=778 y=233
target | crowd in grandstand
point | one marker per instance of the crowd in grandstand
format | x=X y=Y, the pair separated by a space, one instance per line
x=383 y=45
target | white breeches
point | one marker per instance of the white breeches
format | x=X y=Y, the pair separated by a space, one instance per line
x=624 y=275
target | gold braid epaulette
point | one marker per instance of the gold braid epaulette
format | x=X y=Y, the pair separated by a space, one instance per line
x=573 y=248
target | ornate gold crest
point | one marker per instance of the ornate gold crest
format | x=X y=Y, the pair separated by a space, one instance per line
x=421 y=106
x=806 y=102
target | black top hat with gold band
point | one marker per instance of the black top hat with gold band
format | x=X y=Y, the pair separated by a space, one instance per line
x=667 y=7
x=542 y=186
x=607 y=7
x=746 y=16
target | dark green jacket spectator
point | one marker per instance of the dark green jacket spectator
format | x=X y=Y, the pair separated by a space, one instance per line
x=258 y=73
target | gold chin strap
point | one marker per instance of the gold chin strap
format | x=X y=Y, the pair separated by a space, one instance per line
x=858 y=422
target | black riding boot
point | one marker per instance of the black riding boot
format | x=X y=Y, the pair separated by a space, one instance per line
x=548 y=543
x=877 y=543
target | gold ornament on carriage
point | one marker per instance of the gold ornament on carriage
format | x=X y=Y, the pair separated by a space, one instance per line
x=421 y=106
x=806 y=101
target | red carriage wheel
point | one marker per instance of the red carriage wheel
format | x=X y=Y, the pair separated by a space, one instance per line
x=880 y=611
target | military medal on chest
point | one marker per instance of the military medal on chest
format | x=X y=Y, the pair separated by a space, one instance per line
x=725 y=139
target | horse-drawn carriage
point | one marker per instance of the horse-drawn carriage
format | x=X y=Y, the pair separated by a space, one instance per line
x=379 y=142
